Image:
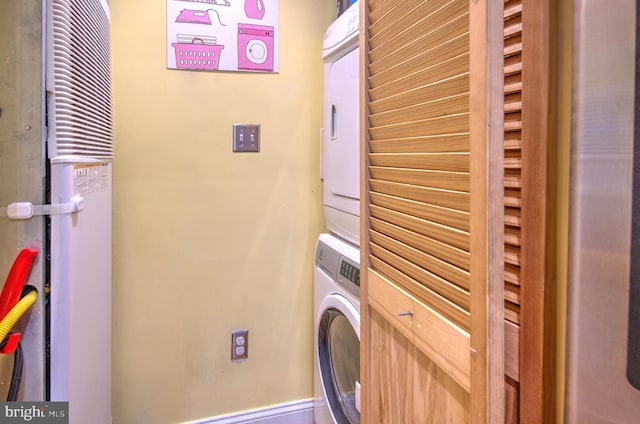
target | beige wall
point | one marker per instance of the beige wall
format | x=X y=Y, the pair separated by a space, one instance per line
x=205 y=240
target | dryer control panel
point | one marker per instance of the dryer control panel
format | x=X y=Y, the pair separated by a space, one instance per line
x=350 y=271
x=342 y=270
x=342 y=34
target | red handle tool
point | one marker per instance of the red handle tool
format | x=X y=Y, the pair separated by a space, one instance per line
x=12 y=290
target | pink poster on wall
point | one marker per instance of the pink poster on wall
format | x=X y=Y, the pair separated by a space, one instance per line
x=222 y=35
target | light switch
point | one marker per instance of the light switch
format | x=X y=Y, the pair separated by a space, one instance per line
x=246 y=137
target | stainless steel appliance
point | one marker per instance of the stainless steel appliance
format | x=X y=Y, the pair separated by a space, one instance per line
x=603 y=321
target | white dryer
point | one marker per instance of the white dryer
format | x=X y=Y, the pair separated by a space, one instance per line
x=337 y=332
x=341 y=136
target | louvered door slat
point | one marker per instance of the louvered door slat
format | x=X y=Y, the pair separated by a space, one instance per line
x=426 y=92
x=512 y=8
x=513 y=121
x=451 y=202
x=513 y=83
x=512 y=65
x=513 y=102
x=443 y=251
x=512 y=255
x=454 y=237
x=384 y=15
x=511 y=274
x=512 y=140
x=455 y=105
x=445 y=288
x=423 y=12
x=512 y=236
x=458 y=220
x=512 y=198
x=512 y=179
x=432 y=16
x=450 y=279
x=512 y=27
x=387 y=58
x=512 y=313
x=512 y=159
x=458 y=123
x=458 y=143
x=513 y=45
x=454 y=162
x=438 y=179
x=512 y=293
x=512 y=217
x=416 y=67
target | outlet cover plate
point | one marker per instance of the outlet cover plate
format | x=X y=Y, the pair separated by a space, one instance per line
x=246 y=137
x=239 y=345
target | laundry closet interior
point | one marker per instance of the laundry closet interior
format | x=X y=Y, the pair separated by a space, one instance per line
x=329 y=212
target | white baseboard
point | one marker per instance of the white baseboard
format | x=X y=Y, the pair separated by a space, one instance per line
x=296 y=412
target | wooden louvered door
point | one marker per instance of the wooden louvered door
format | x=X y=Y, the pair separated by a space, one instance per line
x=433 y=211
x=529 y=237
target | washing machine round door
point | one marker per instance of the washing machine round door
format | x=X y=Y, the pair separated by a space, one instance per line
x=257 y=51
x=339 y=357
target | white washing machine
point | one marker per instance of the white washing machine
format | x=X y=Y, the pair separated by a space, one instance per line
x=341 y=135
x=337 y=332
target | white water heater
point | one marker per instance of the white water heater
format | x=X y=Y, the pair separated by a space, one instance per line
x=56 y=136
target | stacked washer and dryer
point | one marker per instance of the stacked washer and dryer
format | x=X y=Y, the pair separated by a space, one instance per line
x=337 y=262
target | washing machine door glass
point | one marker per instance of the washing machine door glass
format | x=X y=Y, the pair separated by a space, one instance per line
x=339 y=356
x=257 y=51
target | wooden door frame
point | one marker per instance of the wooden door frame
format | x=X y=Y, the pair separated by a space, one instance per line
x=487 y=211
x=538 y=317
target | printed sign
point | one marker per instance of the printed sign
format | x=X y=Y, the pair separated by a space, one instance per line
x=34 y=412
x=90 y=178
x=225 y=35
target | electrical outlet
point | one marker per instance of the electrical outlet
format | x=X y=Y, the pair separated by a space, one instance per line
x=239 y=345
